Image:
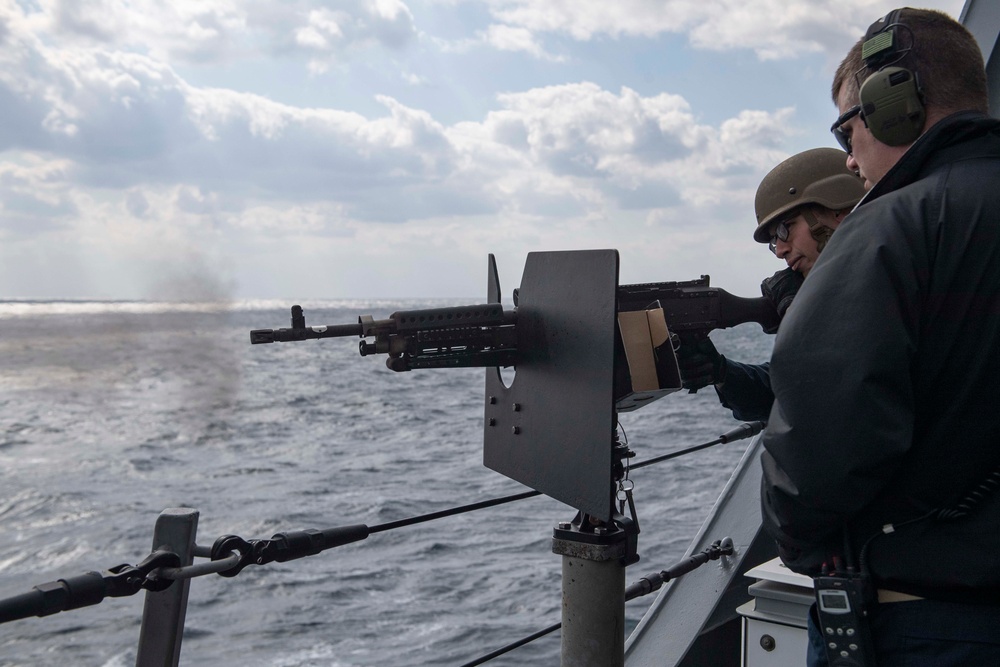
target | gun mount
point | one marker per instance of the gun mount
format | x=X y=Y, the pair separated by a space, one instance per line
x=583 y=349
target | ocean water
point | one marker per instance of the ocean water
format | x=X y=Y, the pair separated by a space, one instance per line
x=113 y=412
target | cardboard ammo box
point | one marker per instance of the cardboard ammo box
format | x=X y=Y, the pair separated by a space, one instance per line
x=645 y=366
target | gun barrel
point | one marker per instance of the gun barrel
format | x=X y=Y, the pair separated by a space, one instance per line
x=260 y=336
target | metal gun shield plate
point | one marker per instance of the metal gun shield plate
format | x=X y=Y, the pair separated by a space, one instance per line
x=552 y=428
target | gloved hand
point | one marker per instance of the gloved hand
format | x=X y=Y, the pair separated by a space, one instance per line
x=700 y=364
x=780 y=289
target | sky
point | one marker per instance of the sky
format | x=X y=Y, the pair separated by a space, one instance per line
x=311 y=149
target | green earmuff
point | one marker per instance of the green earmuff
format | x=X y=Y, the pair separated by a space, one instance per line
x=891 y=100
x=892 y=106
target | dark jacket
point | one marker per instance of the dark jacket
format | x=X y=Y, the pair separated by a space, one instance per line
x=746 y=390
x=886 y=377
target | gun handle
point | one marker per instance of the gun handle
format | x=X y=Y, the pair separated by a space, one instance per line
x=738 y=310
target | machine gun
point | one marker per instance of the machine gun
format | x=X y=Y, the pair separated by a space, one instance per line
x=485 y=335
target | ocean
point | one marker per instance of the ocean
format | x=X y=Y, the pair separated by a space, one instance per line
x=111 y=412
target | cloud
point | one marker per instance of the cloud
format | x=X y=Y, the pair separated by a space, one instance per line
x=773 y=29
x=327 y=36
x=34 y=196
x=186 y=30
x=125 y=120
x=389 y=21
x=516 y=39
x=585 y=144
x=324 y=33
x=136 y=204
x=618 y=149
x=116 y=161
x=214 y=31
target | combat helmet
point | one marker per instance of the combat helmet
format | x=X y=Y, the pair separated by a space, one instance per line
x=818 y=176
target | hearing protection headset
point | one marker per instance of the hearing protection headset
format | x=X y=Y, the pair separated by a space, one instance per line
x=891 y=100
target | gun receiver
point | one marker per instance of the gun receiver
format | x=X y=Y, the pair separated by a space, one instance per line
x=452 y=337
x=692 y=308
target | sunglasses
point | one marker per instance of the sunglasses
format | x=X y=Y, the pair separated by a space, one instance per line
x=781 y=231
x=837 y=128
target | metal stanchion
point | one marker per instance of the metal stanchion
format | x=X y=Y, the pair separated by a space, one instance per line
x=163 y=612
x=593 y=593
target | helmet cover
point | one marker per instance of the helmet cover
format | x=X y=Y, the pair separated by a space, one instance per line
x=817 y=176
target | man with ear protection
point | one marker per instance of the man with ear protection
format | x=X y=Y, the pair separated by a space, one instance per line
x=798 y=205
x=881 y=460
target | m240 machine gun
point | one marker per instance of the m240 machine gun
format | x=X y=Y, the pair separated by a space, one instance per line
x=583 y=348
x=484 y=335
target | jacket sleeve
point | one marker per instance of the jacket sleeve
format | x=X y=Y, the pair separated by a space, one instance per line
x=746 y=390
x=840 y=370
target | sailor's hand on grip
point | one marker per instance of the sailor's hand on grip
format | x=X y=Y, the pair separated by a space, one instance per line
x=780 y=289
x=700 y=364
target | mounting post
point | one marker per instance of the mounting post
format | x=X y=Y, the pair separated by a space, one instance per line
x=163 y=613
x=593 y=592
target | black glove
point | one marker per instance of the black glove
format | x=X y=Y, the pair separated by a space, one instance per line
x=700 y=364
x=780 y=289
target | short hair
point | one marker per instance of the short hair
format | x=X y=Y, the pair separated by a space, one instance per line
x=944 y=55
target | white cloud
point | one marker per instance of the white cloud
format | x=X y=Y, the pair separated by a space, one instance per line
x=35 y=196
x=511 y=38
x=771 y=28
x=127 y=119
x=323 y=33
x=177 y=166
x=204 y=31
x=112 y=160
x=193 y=30
x=322 y=30
x=328 y=36
x=390 y=21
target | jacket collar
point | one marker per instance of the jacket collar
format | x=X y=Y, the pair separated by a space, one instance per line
x=947 y=140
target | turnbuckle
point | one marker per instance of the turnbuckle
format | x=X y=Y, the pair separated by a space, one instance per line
x=227 y=544
x=124 y=580
x=284 y=547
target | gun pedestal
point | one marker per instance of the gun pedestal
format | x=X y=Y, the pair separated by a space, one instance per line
x=593 y=592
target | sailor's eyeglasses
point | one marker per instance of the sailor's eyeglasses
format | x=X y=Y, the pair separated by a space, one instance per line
x=843 y=138
x=781 y=232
